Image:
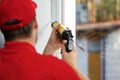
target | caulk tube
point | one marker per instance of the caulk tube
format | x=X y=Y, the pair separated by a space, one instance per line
x=60 y=29
x=65 y=35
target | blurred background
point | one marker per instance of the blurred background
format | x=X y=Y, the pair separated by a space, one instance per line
x=98 y=32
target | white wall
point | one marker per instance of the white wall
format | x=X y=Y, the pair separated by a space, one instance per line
x=44 y=18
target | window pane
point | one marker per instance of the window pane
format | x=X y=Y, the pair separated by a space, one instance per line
x=97 y=10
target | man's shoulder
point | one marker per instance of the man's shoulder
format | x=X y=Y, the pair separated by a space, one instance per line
x=60 y=69
x=52 y=61
x=48 y=58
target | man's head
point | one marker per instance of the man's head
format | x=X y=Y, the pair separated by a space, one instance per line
x=17 y=18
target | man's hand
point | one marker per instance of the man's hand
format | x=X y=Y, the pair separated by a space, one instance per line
x=71 y=57
x=54 y=42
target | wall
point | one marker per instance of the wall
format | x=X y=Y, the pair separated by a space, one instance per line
x=44 y=18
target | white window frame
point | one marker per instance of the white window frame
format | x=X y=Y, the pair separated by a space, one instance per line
x=64 y=11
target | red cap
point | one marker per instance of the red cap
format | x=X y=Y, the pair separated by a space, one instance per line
x=22 y=10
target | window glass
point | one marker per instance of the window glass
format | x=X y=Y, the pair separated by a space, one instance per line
x=97 y=10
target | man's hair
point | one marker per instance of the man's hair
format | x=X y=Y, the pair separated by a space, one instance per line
x=24 y=32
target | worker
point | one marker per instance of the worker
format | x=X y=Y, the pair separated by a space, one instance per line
x=19 y=60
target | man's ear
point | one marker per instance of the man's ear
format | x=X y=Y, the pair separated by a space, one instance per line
x=35 y=23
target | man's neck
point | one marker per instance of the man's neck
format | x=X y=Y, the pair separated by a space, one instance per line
x=30 y=41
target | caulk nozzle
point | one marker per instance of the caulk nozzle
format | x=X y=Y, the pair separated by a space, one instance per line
x=55 y=23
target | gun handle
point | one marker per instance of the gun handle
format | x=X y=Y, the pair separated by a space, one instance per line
x=69 y=45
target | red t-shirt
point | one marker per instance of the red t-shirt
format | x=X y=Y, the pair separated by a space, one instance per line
x=20 y=61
